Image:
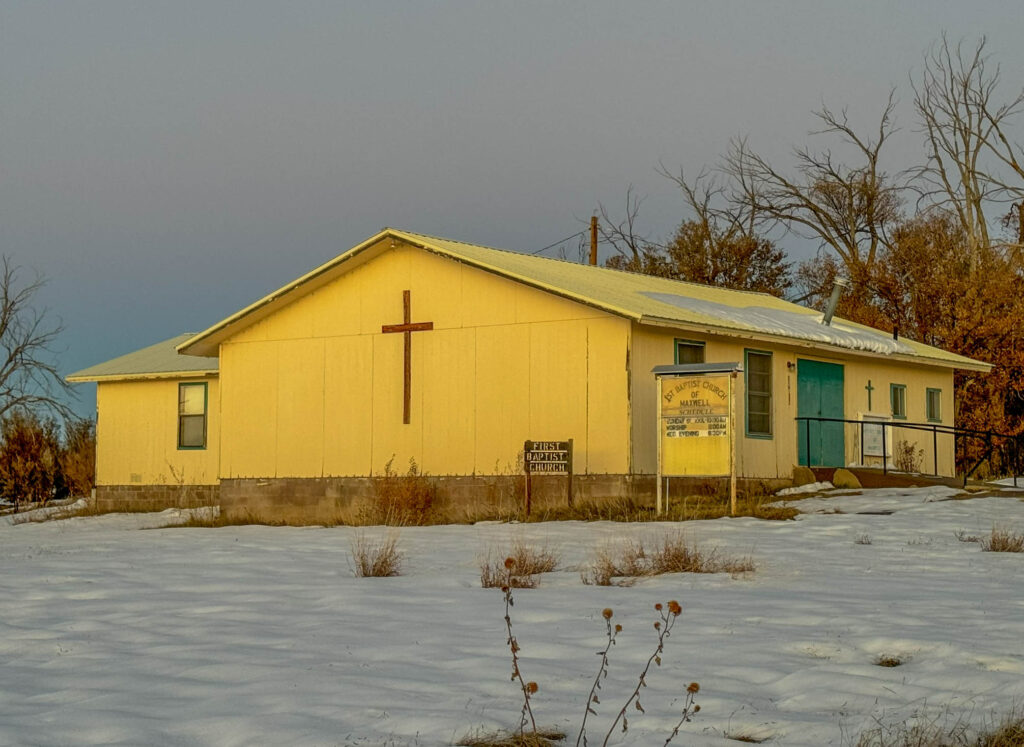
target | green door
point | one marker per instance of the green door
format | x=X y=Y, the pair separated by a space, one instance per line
x=819 y=394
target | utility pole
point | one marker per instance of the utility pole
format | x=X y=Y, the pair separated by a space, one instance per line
x=593 y=240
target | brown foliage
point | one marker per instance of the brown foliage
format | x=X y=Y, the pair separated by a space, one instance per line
x=29 y=458
x=931 y=287
x=700 y=253
x=78 y=458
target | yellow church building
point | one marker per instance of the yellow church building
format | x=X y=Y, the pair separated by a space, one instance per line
x=451 y=354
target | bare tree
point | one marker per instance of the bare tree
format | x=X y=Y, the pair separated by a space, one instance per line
x=849 y=209
x=28 y=373
x=623 y=236
x=716 y=247
x=972 y=162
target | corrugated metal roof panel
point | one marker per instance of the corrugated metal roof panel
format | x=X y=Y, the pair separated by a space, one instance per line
x=156 y=361
x=639 y=297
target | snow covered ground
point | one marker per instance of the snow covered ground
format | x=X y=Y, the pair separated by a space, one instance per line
x=254 y=635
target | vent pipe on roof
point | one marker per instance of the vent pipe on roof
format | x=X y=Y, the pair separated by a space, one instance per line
x=833 y=301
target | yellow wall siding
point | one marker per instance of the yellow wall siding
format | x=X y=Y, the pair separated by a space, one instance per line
x=300 y=407
x=502 y=386
x=137 y=435
x=775 y=457
x=248 y=404
x=316 y=389
x=348 y=410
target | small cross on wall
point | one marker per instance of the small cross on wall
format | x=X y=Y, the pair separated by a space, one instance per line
x=870 y=389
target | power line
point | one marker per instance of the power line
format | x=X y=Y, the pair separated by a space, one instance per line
x=562 y=241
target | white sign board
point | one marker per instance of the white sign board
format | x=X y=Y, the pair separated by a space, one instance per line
x=873 y=435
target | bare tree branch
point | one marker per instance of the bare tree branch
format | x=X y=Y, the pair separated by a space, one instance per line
x=965 y=135
x=29 y=379
x=848 y=209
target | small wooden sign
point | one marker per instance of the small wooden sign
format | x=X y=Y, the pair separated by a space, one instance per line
x=547 y=458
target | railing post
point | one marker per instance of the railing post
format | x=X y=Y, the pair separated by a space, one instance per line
x=808 y=429
x=862 y=444
x=1016 y=458
x=885 y=466
x=1015 y=441
x=935 y=449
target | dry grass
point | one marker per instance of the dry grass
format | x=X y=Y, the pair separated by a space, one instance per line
x=278 y=516
x=542 y=738
x=376 y=558
x=1003 y=540
x=401 y=500
x=1008 y=733
x=622 y=565
x=888 y=660
x=528 y=563
x=946 y=730
x=697 y=507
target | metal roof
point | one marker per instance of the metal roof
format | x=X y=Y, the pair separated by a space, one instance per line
x=642 y=298
x=160 y=361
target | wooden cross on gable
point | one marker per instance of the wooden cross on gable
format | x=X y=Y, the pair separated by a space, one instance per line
x=407 y=327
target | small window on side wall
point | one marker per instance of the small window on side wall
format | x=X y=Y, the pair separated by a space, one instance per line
x=192 y=416
x=758 y=375
x=898 y=400
x=689 y=351
x=933 y=405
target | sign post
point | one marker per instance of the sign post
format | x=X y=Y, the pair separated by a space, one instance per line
x=696 y=424
x=547 y=458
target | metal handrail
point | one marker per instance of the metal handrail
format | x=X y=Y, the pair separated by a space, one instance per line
x=935 y=429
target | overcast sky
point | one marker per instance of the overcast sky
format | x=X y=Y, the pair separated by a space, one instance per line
x=165 y=164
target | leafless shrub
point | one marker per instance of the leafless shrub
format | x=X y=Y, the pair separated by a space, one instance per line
x=1003 y=540
x=528 y=563
x=376 y=559
x=400 y=500
x=906 y=457
x=622 y=565
x=963 y=536
x=862 y=539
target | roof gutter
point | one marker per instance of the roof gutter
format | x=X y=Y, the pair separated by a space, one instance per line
x=102 y=378
x=963 y=363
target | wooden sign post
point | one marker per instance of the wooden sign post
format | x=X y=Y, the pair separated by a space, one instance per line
x=547 y=458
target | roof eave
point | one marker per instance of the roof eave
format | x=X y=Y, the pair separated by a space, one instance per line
x=962 y=363
x=81 y=378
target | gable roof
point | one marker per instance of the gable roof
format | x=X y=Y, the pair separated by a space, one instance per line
x=160 y=361
x=642 y=298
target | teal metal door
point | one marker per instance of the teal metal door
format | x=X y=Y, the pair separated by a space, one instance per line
x=819 y=394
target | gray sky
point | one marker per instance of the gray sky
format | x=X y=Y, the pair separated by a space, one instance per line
x=166 y=163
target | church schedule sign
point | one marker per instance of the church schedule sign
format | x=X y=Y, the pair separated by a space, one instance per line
x=696 y=436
